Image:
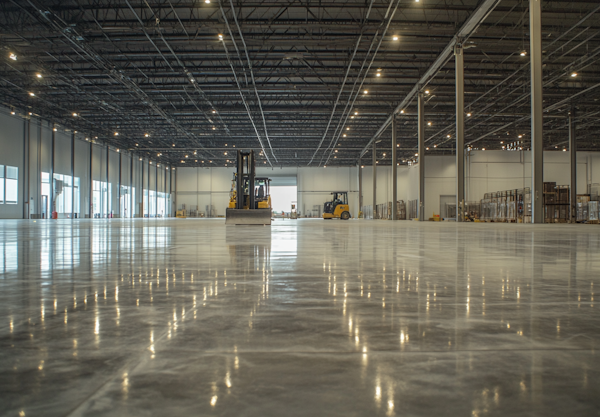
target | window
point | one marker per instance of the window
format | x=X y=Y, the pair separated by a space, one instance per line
x=1 y=184
x=11 y=186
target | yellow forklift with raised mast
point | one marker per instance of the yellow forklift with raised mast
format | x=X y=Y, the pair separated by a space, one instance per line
x=249 y=199
x=338 y=207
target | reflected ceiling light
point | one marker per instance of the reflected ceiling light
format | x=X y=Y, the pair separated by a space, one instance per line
x=214 y=128
x=378 y=74
x=347 y=128
x=428 y=123
x=12 y=56
x=426 y=91
x=186 y=156
x=12 y=112
x=483 y=149
x=146 y=135
x=468 y=114
x=220 y=37
x=214 y=111
x=207 y=1
x=366 y=92
x=224 y=153
x=395 y=37
x=32 y=94
x=352 y=117
x=448 y=136
x=116 y=133
x=55 y=129
x=173 y=144
x=574 y=74
x=402 y=111
x=74 y=114
x=523 y=53
x=356 y=113
x=344 y=135
x=195 y=152
x=426 y=149
x=38 y=75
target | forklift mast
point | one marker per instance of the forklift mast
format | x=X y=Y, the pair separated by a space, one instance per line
x=246 y=172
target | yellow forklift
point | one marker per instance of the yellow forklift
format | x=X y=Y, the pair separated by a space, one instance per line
x=249 y=198
x=338 y=207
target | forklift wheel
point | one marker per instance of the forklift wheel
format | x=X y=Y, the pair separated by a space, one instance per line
x=345 y=215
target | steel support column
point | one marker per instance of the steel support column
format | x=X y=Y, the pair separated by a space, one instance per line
x=142 y=190
x=394 y=169
x=360 y=189
x=119 y=186
x=374 y=180
x=73 y=176
x=51 y=202
x=460 y=131
x=131 y=201
x=573 y=152
x=421 y=134
x=108 y=190
x=91 y=183
x=537 y=117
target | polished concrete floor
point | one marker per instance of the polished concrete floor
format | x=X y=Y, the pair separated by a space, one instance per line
x=304 y=318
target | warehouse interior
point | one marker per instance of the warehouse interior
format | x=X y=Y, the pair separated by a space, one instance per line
x=465 y=135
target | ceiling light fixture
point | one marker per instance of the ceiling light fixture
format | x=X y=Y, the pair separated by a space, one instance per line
x=32 y=94
x=220 y=37
x=13 y=56
x=146 y=135
x=74 y=114
x=116 y=133
x=38 y=75
x=366 y=92
x=574 y=74
x=395 y=38
x=523 y=53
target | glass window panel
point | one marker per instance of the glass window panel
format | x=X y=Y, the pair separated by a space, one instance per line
x=12 y=191
x=12 y=173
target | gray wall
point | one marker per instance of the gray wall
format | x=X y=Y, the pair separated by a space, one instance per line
x=26 y=143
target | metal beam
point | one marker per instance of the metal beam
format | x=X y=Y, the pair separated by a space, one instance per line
x=374 y=180
x=573 y=152
x=460 y=131
x=537 y=115
x=394 y=169
x=421 y=134
x=468 y=28
x=360 y=189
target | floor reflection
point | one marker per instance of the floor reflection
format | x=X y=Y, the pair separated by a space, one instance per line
x=377 y=318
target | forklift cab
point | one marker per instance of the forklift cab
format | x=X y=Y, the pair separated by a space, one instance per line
x=338 y=207
x=262 y=193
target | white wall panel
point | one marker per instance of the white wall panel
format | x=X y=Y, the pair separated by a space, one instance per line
x=11 y=143
x=82 y=170
x=62 y=153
